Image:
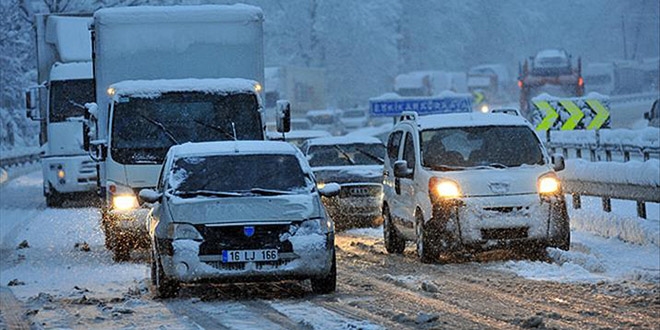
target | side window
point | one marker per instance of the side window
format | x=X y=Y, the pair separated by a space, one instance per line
x=393 y=143
x=409 y=151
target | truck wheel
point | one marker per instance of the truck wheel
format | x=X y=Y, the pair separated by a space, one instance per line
x=393 y=242
x=326 y=284
x=165 y=287
x=54 y=199
x=426 y=244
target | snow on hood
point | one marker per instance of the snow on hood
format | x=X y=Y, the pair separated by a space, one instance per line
x=349 y=174
x=206 y=210
x=201 y=13
x=154 y=88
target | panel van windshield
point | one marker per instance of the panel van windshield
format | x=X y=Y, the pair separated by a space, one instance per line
x=144 y=128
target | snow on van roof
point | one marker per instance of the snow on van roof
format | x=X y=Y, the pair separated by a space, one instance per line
x=201 y=13
x=470 y=120
x=232 y=147
x=154 y=88
x=346 y=139
x=71 y=37
x=70 y=71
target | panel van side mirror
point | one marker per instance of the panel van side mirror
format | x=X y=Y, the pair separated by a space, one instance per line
x=558 y=162
x=283 y=116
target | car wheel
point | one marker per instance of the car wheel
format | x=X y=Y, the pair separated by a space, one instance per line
x=165 y=287
x=121 y=248
x=564 y=241
x=393 y=242
x=326 y=284
x=426 y=248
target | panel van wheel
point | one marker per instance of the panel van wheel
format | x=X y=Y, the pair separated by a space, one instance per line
x=393 y=242
x=326 y=284
x=426 y=245
x=165 y=287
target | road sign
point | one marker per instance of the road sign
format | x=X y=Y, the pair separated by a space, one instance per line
x=380 y=107
x=570 y=114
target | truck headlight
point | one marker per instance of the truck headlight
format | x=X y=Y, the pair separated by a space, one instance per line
x=124 y=202
x=444 y=188
x=549 y=184
x=184 y=231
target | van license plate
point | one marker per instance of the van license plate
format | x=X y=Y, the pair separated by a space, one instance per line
x=249 y=255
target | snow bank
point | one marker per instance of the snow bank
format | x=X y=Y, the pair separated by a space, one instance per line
x=632 y=172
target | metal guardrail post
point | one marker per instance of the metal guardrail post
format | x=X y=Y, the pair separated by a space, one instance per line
x=626 y=156
x=641 y=209
x=607 y=204
x=577 y=201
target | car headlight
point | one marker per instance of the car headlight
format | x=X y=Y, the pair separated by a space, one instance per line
x=124 y=202
x=320 y=185
x=184 y=231
x=484 y=108
x=549 y=184
x=444 y=188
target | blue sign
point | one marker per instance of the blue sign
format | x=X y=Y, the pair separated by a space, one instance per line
x=422 y=105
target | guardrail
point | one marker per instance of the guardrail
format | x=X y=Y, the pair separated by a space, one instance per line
x=638 y=151
x=10 y=161
x=633 y=97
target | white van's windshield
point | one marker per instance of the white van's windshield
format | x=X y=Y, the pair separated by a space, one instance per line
x=458 y=148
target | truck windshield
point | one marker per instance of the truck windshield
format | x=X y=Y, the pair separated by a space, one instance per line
x=144 y=128
x=458 y=148
x=68 y=98
x=236 y=175
x=346 y=154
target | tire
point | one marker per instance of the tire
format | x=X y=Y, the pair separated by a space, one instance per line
x=393 y=242
x=565 y=229
x=326 y=284
x=154 y=268
x=54 y=199
x=121 y=247
x=165 y=287
x=426 y=244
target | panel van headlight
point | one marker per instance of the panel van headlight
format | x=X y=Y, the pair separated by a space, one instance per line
x=124 y=202
x=549 y=184
x=184 y=231
x=444 y=188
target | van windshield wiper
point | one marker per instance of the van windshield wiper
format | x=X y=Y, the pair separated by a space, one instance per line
x=491 y=165
x=162 y=128
x=216 y=128
x=213 y=193
x=441 y=167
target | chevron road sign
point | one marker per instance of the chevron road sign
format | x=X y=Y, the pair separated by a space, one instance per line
x=570 y=113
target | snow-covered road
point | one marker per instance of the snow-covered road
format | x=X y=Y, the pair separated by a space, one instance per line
x=54 y=263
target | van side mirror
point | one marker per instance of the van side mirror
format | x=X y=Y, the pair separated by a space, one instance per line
x=149 y=195
x=90 y=125
x=283 y=116
x=401 y=169
x=558 y=162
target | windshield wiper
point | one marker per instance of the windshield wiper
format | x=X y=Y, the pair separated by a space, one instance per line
x=270 y=192
x=370 y=155
x=348 y=157
x=441 y=167
x=491 y=165
x=162 y=127
x=217 y=129
x=214 y=193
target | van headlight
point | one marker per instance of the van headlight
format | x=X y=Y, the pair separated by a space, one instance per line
x=183 y=231
x=444 y=188
x=124 y=202
x=549 y=184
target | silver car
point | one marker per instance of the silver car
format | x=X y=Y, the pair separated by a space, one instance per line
x=239 y=211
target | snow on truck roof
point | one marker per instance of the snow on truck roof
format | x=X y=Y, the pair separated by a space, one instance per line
x=232 y=147
x=71 y=71
x=346 y=139
x=201 y=13
x=154 y=88
x=470 y=120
